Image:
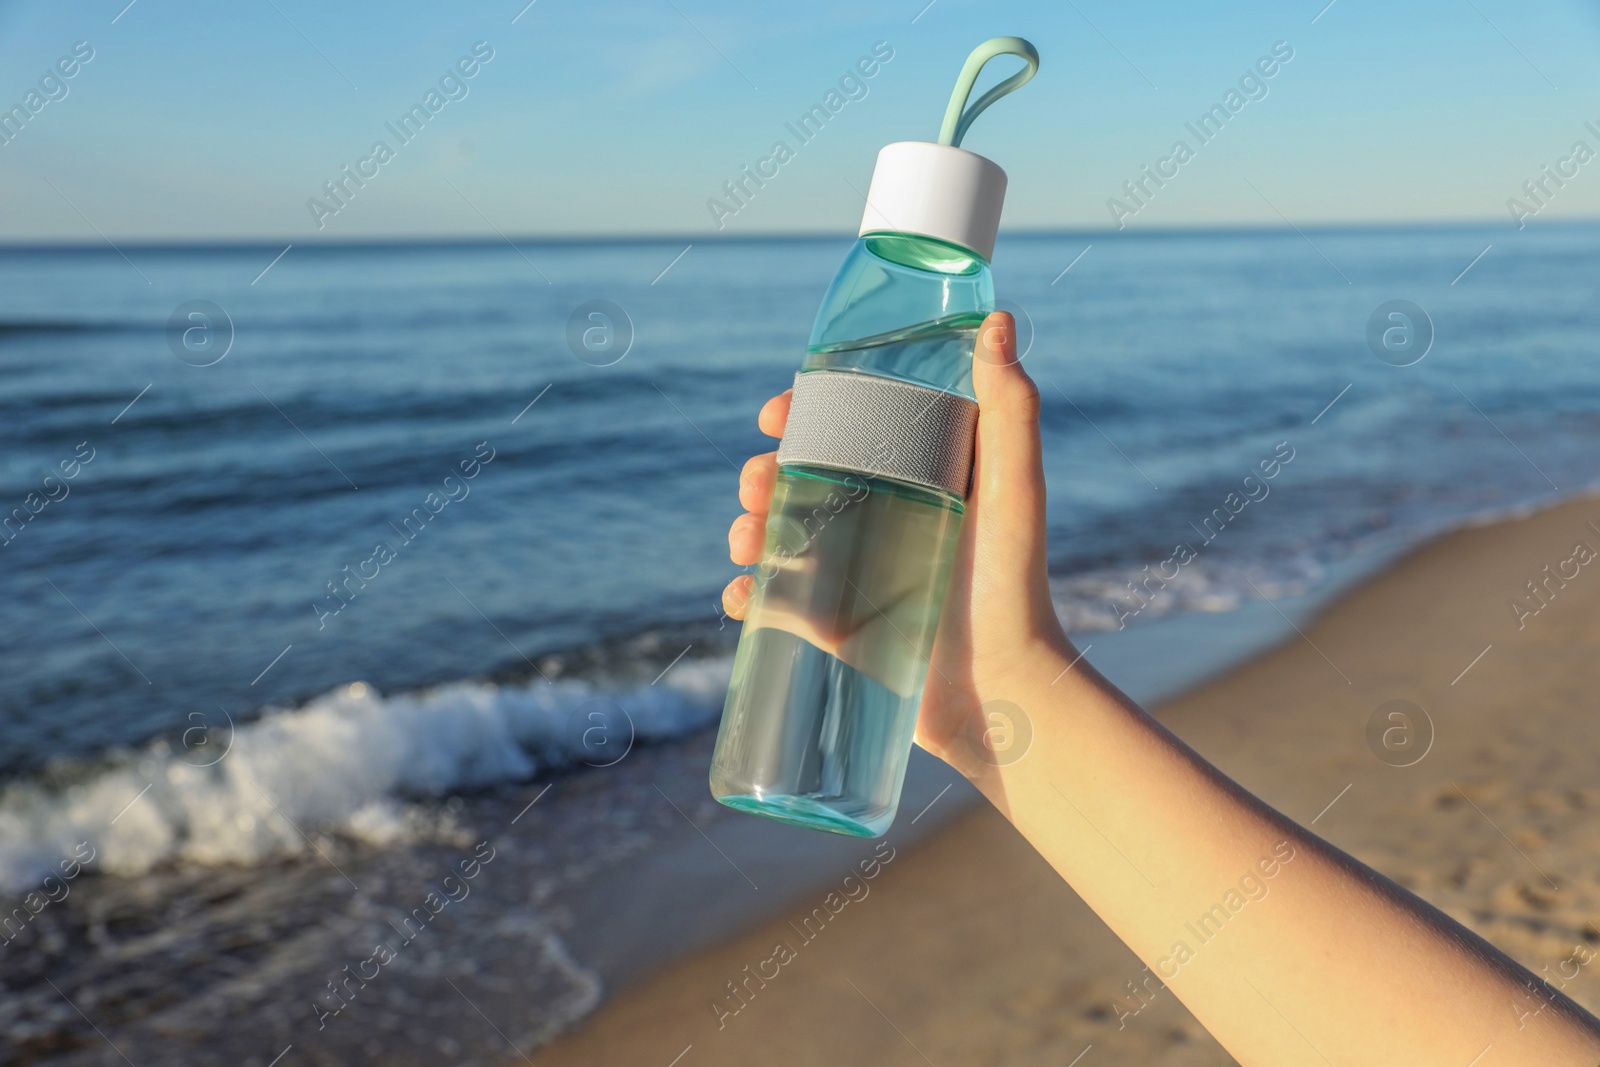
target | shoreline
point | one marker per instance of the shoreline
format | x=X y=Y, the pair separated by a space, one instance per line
x=566 y=933
x=977 y=952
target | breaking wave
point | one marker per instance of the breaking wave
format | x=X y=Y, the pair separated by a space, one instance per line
x=351 y=763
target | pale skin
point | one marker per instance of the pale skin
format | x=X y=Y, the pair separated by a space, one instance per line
x=1336 y=965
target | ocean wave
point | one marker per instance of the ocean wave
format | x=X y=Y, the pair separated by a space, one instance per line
x=351 y=763
x=357 y=765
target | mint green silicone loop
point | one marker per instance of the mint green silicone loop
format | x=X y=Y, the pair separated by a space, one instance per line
x=957 y=120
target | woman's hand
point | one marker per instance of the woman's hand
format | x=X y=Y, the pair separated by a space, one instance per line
x=999 y=632
x=1150 y=835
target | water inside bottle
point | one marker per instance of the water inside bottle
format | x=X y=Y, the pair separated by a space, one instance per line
x=834 y=656
x=934 y=354
x=839 y=631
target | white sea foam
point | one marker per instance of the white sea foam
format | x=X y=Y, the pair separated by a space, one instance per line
x=349 y=763
x=1112 y=598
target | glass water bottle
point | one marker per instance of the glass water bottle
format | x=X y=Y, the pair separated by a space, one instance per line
x=868 y=503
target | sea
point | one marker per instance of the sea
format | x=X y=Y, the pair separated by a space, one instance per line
x=327 y=569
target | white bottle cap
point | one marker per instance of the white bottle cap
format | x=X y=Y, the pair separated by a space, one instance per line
x=936 y=191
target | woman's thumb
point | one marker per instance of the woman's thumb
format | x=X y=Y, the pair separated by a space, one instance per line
x=1009 y=477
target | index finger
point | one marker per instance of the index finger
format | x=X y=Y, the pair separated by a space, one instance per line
x=775 y=414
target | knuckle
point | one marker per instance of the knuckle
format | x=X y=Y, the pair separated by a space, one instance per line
x=1029 y=401
x=1020 y=400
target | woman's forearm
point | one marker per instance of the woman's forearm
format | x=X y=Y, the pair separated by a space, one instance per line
x=1285 y=948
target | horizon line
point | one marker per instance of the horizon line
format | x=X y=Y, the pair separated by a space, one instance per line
x=475 y=240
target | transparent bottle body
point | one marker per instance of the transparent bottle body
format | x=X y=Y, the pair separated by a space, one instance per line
x=839 y=630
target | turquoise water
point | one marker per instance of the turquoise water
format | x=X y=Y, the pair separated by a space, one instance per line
x=823 y=733
x=904 y=306
x=937 y=355
x=830 y=669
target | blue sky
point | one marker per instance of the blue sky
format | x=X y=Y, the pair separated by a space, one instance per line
x=195 y=121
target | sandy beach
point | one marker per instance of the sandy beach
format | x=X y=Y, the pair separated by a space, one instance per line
x=966 y=948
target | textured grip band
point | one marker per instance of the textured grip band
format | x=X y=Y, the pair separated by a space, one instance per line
x=847 y=420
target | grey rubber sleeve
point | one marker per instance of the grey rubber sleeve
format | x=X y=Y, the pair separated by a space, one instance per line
x=850 y=421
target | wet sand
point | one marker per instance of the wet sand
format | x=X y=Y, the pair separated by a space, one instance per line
x=968 y=949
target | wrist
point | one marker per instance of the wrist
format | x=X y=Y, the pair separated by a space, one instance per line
x=1019 y=699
